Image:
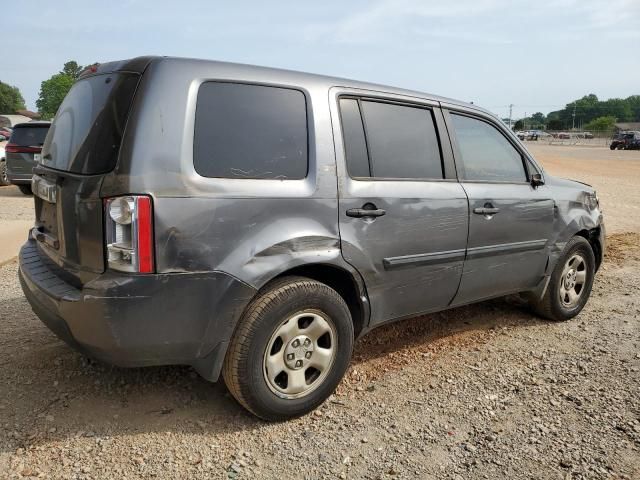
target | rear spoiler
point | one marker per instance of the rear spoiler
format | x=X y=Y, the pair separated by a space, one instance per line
x=134 y=65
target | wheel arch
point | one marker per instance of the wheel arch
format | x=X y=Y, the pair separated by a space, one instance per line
x=593 y=236
x=348 y=285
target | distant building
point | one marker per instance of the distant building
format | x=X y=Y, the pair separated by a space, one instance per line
x=30 y=114
x=624 y=126
x=11 y=120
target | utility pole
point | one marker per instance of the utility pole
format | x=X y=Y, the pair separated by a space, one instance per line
x=524 y=121
x=573 y=115
x=510 y=112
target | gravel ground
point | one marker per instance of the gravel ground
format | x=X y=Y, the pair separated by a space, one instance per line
x=15 y=205
x=485 y=391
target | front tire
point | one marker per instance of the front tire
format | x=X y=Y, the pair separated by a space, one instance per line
x=4 y=181
x=570 y=284
x=290 y=349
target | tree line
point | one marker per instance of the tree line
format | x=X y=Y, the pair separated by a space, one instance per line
x=586 y=113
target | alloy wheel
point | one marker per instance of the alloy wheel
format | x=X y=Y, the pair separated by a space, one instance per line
x=572 y=280
x=300 y=354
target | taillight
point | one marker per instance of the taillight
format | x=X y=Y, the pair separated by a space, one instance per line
x=129 y=233
x=15 y=148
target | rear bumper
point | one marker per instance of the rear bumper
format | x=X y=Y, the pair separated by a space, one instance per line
x=138 y=320
x=19 y=178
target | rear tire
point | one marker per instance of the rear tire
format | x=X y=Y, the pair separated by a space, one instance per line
x=26 y=189
x=4 y=181
x=570 y=284
x=290 y=349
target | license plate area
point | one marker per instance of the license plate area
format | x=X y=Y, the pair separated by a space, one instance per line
x=47 y=217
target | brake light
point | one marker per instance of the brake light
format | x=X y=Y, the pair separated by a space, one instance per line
x=15 y=148
x=129 y=233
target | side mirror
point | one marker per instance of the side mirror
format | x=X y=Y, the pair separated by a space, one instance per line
x=536 y=180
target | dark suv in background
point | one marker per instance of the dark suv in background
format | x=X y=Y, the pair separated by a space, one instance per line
x=626 y=141
x=254 y=222
x=23 y=152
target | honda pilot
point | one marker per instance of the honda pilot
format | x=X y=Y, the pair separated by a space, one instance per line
x=254 y=222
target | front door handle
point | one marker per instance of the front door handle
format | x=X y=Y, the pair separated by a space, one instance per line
x=486 y=210
x=368 y=210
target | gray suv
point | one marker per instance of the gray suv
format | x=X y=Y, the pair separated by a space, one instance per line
x=22 y=153
x=254 y=222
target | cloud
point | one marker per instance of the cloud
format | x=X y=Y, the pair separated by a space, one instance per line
x=387 y=18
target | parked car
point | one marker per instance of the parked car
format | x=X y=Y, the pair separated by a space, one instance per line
x=528 y=135
x=23 y=151
x=4 y=181
x=563 y=135
x=624 y=140
x=586 y=135
x=5 y=132
x=284 y=216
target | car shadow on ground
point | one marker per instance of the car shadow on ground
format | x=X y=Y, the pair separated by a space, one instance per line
x=11 y=191
x=54 y=393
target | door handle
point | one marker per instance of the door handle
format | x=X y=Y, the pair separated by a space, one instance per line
x=486 y=210
x=366 y=212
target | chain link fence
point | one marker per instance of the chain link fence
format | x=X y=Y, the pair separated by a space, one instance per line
x=567 y=137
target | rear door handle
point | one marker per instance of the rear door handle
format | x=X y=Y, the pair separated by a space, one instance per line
x=486 y=210
x=365 y=212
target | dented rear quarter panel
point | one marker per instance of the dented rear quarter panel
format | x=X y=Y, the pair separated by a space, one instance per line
x=251 y=229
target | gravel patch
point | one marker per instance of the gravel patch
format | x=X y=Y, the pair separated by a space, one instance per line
x=486 y=391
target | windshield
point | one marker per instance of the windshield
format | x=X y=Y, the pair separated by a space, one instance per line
x=88 y=128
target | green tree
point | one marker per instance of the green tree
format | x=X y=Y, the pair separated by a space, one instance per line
x=53 y=91
x=618 y=108
x=519 y=125
x=554 y=124
x=538 y=119
x=601 y=124
x=10 y=99
x=72 y=69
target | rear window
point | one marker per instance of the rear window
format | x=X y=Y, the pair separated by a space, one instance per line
x=31 y=136
x=88 y=128
x=250 y=131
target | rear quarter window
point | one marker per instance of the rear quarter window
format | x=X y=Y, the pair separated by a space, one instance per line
x=250 y=132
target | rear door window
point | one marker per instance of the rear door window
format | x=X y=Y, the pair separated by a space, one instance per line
x=250 y=131
x=486 y=154
x=385 y=140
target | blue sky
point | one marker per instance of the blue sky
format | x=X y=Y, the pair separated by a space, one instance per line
x=537 y=55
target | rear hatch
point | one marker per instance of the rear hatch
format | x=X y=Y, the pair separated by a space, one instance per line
x=25 y=142
x=81 y=148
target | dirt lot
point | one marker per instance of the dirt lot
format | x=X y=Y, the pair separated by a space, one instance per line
x=486 y=391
